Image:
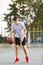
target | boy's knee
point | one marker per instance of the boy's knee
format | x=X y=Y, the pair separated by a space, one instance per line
x=23 y=46
x=17 y=46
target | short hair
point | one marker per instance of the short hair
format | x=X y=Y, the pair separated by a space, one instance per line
x=15 y=18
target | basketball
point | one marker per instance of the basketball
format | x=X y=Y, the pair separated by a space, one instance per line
x=10 y=40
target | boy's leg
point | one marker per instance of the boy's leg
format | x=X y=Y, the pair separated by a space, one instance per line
x=17 y=50
x=26 y=54
x=24 y=47
x=17 y=43
x=25 y=51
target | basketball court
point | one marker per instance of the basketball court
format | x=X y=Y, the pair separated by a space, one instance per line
x=7 y=56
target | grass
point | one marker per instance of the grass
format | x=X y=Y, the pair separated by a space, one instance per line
x=6 y=45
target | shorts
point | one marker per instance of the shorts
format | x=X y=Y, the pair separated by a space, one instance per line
x=17 y=41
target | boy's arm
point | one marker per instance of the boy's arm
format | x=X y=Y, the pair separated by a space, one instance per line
x=13 y=30
x=25 y=32
x=13 y=33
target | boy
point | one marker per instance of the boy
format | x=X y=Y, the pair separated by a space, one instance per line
x=19 y=30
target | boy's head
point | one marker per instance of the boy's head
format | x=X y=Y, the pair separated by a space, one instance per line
x=15 y=18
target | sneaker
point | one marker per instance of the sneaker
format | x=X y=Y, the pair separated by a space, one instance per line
x=27 y=59
x=17 y=60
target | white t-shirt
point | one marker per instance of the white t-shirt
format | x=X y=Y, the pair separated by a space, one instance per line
x=19 y=29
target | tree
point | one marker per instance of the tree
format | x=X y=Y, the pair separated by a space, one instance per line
x=1 y=38
x=19 y=7
x=39 y=12
x=26 y=9
x=7 y=18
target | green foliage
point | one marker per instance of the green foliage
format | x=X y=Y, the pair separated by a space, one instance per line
x=39 y=12
x=0 y=36
x=14 y=10
x=21 y=8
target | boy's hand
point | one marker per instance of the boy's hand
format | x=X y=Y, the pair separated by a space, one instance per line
x=21 y=39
